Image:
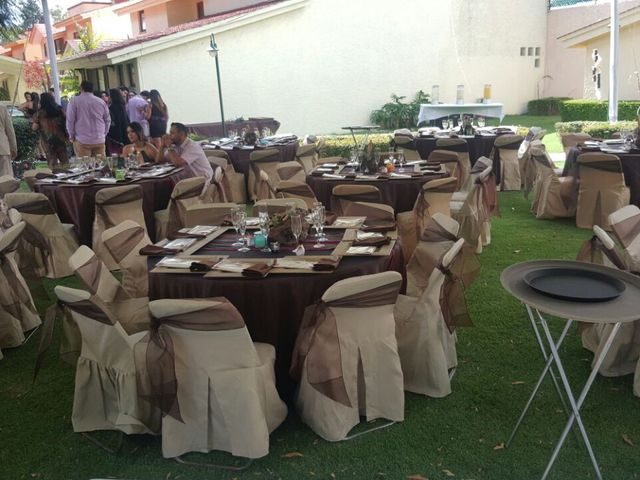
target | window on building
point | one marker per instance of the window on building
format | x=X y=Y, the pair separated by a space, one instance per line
x=536 y=63
x=200 y=10
x=530 y=51
x=142 y=24
x=60 y=44
x=76 y=35
x=523 y=51
x=537 y=51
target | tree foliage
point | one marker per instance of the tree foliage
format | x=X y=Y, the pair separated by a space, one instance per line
x=17 y=16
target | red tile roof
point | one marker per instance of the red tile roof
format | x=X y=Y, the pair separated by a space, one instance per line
x=173 y=30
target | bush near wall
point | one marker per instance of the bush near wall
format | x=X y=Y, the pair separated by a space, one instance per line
x=342 y=145
x=595 y=129
x=593 y=110
x=27 y=140
x=546 y=106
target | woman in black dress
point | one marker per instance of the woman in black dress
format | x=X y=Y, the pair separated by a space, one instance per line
x=143 y=150
x=159 y=118
x=117 y=137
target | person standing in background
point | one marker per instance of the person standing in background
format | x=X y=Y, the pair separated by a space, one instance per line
x=8 y=144
x=159 y=118
x=117 y=137
x=139 y=111
x=88 y=122
x=49 y=122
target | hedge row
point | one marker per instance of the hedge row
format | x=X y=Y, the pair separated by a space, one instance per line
x=594 y=110
x=26 y=138
x=595 y=129
x=342 y=145
x=546 y=106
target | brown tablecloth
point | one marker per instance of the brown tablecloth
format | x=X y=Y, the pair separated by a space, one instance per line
x=630 y=167
x=401 y=194
x=76 y=203
x=272 y=307
x=240 y=158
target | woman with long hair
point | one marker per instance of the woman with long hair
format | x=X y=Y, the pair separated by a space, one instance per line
x=49 y=122
x=159 y=118
x=144 y=151
x=117 y=136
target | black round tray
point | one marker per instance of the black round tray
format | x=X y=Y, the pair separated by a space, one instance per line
x=575 y=284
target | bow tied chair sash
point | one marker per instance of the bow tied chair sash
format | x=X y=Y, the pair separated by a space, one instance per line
x=123 y=243
x=90 y=274
x=288 y=172
x=318 y=341
x=104 y=201
x=33 y=236
x=155 y=353
x=488 y=195
x=594 y=246
x=299 y=190
x=422 y=204
x=375 y=215
x=495 y=151
x=627 y=230
x=22 y=295
x=604 y=165
x=36 y=207
x=464 y=269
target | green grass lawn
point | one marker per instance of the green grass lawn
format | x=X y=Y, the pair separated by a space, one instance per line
x=455 y=437
x=551 y=139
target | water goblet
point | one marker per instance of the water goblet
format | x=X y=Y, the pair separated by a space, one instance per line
x=242 y=228
x=296 y=226
x=237 y=212
x=445 y=124
x=481 y=122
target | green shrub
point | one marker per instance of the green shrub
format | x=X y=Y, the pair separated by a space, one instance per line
x=545 y=106
x=595 y=129
x=4 y=94
x=27 y=140
x=342 y=145
x=594 y=110
x=397 y=114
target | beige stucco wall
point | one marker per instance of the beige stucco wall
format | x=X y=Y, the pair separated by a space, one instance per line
x=565 y=65
x=331 y=63
x=155 y=18
x=215 y=6
x=182 y=12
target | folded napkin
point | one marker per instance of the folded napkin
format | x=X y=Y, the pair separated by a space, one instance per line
x=361 y=250
x=294 y=264
x=154 y=251
x=258 y=270
x=202 y=265
x=372 y=242
x=326 y=265
x=380 y=227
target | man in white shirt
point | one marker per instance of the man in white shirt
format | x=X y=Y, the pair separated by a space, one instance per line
x=180 y=150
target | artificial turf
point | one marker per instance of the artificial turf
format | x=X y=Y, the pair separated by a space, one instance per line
x=460 y=436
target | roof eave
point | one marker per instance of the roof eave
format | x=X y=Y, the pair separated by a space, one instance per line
x=580 y=37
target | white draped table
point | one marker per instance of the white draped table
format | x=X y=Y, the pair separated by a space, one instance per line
x=429 y=111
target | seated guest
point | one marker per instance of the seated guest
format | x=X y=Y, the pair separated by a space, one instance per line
x=179 y=149
x=143 y=150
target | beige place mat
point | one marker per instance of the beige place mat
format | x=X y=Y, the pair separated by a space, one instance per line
x=194 y=258
x=343 y=247
x=204 y=241
x=275 y=270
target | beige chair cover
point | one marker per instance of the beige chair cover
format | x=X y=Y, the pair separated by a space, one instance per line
x=307 y=157
x=8 y=184
x=434 y=198
x=18 y=313
x=279 y=205
x=346 y=358
x=299 y=190
x=51 y=244
x=290 y=172
x=215 y=387
x=133 y=313
x=553 y=196
x=344 y=195
x=425 y=323
x=461 y=149
x=624 y=352
x=625 y=224
x=32 y=176
x=219 y=190
x=403 y=139
x=505 y=149
x=208 y=214
x=263 y=175
x=113 y=206
x=124 y=242
x=602 y=189
x=186 y=193
x=572 y=139
x=378 y=214
x=106 y=393
x=232 y=181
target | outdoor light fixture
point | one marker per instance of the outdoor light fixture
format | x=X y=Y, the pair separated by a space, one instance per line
x=213 y=51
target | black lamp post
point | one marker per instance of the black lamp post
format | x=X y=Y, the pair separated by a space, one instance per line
x=213 y=51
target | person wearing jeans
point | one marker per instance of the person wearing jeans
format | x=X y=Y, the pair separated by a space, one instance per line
x=88 y=122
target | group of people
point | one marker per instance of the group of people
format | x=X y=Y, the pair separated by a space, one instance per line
x=120 y=123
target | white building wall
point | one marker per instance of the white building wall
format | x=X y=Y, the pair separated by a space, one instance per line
x=331 y=63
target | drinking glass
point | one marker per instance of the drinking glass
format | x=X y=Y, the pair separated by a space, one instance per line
x=237 y=212
x=481 y=122
x=296 y=226
x=242 y=228
x=445 y=124
x=401 y=159
x=318 y=222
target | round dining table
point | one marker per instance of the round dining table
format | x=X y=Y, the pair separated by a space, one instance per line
x=272 y=307
x=239 y=156
x=400 y=193
x=75 y=203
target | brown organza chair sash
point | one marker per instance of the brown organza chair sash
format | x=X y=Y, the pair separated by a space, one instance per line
x=123 y=243
x=259 y=156
x=442 y=155
x=194 y=191
x=33 y=236
x=592 y=246
x=422 y=204
x=404 y=141
x=627 y=230
x=21 y=293
x=126 y=195
x=36 y=207
x=301 y=190
x=373 y=197
x=319 y=345
x=604 y=166
x=460 y=274
x=155 y=353
x=489 y=195
x=306 y=152
x=285 y=173
x=90 y=273
x=374 y=215
x=461 y=147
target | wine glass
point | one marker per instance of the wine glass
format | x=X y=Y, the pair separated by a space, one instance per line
x=481 y=122
x=242 y=228
x=445 y=124
x=296 y=226
x=401 y=159
x=237 y=212
x=315 y=218
x=265 y=224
